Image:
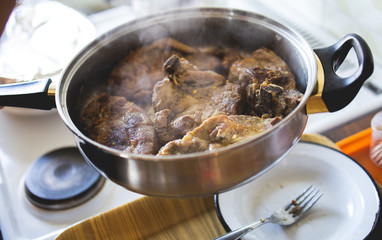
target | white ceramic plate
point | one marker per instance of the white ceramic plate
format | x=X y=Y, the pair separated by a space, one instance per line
x=348 y=209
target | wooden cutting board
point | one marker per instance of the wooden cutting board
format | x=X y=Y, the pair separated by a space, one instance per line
x=159 y=218
x=152 y=218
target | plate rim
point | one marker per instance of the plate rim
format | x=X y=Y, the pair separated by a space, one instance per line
x=377 y=220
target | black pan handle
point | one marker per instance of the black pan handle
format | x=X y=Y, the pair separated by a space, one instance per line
x=32 y=94
x=339 y=92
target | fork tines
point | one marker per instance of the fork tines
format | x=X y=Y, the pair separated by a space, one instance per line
x=304 y=201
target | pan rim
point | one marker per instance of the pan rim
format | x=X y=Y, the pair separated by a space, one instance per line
x=284 y=31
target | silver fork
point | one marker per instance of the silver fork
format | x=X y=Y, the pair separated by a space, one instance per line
x=287 y=215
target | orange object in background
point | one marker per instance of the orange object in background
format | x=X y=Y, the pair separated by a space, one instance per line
x=357 y=147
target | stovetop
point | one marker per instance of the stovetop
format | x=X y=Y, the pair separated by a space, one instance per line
x=24 y=138
x=27 y=135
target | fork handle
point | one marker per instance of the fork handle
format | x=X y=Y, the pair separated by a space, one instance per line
x=238 y=233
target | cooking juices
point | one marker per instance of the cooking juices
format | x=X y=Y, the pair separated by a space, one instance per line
x=203 y=98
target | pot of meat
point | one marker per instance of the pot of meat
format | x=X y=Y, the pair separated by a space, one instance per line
x=194 y=102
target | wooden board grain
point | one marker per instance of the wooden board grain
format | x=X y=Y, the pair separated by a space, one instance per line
x=152 y=218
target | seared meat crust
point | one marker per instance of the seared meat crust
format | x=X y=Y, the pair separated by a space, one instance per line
x=135 y=76
x=198 y=98
x=118 y=123
x=269 y=59
x=270 y=87
x=217 y=132
x=188 y=96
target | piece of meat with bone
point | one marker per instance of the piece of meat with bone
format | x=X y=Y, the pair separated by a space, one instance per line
x=135 y=75
x=120 y=124
x=188 y=96
x=269 y=59
x=259 y=75
x=270 y=100
x=263 y=64
x=270 y=87
x=167 y=90
x=216 y=59
x=217 y=132
x=270 y=92
x=205 y=61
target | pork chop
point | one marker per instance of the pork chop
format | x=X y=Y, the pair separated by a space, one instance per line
x=136 y=74
x=188 y=96
x=217 y=132
x=120 y=124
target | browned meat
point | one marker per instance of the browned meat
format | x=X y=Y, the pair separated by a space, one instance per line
x=241 y=71
x=205 y=61
x=231 y=56
x=119 y=124
x=199 y=96
x=270 y=92
x=270 y=88
x=262 y=59
x=185 y=75
x=188 y=96
x=270 y=100
x=135 y=75
x=217 y=132
x=259 y=75
x=216 y=59
x=292 y=98
x=269 y=59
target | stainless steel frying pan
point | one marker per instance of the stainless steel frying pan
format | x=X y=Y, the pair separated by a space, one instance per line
x=201 y=173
